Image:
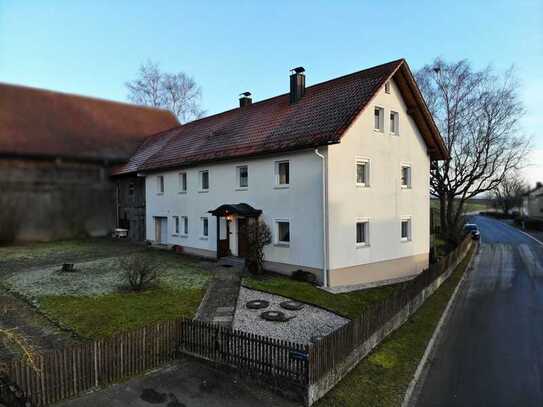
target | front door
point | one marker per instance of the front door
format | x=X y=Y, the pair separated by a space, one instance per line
x=161 y=230
x=224 y=243
x=243 y=242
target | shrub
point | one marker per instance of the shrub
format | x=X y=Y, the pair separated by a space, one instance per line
x=140 y=271
x=258 y=236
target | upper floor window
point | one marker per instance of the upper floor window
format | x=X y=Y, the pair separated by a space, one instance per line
x=387 y=87
x=362 y=173
x=160 y=184
x=394 y=123
x=282 y=232
x=182 y=182
x=362 y=233
x=243 y=176
x=205 y=227
x=406 y=229
x=378 y=121
x=406 y=176
x=282 y=173
x=176 y=224
x=204 y=180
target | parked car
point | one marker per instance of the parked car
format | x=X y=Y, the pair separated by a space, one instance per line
x=472 y=229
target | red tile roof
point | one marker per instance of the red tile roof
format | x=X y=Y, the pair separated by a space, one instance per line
x=42 y=123
x=273 y=125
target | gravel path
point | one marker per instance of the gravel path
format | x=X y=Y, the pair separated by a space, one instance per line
x=308 y=322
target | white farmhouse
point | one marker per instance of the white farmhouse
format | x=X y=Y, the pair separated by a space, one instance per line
x=339 y=171
x=532 y=202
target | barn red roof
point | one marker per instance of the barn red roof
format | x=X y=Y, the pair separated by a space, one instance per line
x=42 y=123
x=320 y=117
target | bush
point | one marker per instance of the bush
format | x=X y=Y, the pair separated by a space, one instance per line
x=140 y=271
x=258 y=236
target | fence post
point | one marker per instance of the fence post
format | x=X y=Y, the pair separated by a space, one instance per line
x=96 y=363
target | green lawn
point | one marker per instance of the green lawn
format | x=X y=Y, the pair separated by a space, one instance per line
x=104 y=315
x=348 y=305
x=381 y=379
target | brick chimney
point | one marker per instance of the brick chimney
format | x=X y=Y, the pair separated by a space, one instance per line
x=245 y=99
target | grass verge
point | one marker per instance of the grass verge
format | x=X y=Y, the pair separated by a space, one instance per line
x=348 y=305
x=103 y=315
x=382 y=378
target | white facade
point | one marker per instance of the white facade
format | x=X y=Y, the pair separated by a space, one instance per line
x=380 y=202
x=532 y=203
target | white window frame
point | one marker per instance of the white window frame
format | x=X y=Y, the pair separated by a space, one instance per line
x=396 y=120
x=160 y=184
x=202 y=235
x=183 y=176
x=381 y=128
x=387 y=87
x=277 y=174
x=409 y=177
x=366 y=223
x=239 y=187
x=201 y=176
x=409 y=221
x=367 y=181
x=175 y=225
x=276 y=240
x=184 y=226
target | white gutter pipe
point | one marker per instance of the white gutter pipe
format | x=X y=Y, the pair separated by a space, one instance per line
x=324 y=219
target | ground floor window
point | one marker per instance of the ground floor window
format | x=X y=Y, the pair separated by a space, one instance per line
x=185 y=225
x=362 y=232
x=176 y=223
x=282 y=232
x=205 y=227
x=406 y=229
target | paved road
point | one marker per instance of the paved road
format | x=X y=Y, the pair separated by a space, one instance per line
x=491 y=352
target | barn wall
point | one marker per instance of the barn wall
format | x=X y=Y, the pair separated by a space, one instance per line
x=130 y=213
x=54 y=199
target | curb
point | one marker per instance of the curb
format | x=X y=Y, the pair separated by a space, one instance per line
x=412 y=392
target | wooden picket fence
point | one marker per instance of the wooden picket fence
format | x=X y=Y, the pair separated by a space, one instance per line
x=254 y=354
x=334 y=348
x=61 y=374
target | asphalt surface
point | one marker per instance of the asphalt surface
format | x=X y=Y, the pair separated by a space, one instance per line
x=491 y=350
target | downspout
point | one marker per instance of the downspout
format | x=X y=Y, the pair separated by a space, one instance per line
x=324 y=219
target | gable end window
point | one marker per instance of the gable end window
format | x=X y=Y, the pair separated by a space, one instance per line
x=243 y=176
x=182 y=182
x=394 y=123
x=387 y=87
x=406 y=176
x=160 y=184
x=204 y=180
x=378 y=121
x=362 y=233
x=282 y=173
x=362 y=173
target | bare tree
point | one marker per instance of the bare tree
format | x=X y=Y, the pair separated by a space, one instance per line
x=141 y=271
x=477 y=113
x=176 y=92
x=508 y=194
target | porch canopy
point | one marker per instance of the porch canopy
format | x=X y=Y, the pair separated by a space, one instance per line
x=240 y=209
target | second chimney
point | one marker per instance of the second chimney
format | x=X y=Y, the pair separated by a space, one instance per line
x=297 y=84
x=245 y=99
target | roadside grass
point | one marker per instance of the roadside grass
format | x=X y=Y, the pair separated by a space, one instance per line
x=349 y=305
x=105 y=315
x=381 y=379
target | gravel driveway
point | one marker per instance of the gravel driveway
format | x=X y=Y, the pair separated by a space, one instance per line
x=308 y=322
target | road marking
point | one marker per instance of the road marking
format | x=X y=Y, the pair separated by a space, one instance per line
x=524 y=233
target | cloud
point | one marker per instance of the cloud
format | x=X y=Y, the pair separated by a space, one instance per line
x=533 y=172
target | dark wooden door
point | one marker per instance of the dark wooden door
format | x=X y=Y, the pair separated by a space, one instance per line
x=224 y=244
x=243 y=243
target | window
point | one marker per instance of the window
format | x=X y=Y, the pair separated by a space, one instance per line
x=406 y=176
x=362 y=233
x=185 y=225
x=176 y=223
x=394 y=123
x=378 y=118
x=243 y=176
x=362 y=173
x=160 y=184
x=204 y=180
x=182 y=182
x=282 y=173
x=205 y=228
x=387 y=87
x=282 y=232
x=406 y=229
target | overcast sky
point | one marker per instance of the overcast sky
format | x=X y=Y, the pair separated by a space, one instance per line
x=94 y=47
